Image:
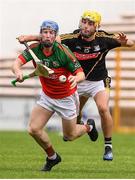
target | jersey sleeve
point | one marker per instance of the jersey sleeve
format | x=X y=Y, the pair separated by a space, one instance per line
x=68 y=39
x=74 y=67
x=108 y=38
x=25 y=57
x=112 y=43
x=67 y=42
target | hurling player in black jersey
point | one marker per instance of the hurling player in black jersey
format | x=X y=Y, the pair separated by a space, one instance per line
x=91 y=46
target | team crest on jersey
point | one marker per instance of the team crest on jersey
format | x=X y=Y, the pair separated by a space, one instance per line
x=96 y=48
x=87 y=49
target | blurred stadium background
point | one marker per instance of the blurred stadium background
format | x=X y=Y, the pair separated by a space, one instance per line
x=24 y=17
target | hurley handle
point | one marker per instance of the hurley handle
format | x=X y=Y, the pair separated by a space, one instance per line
x=26 y=45
x=15 y=80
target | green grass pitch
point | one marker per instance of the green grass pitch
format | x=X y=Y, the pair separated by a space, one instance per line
x=21 y=157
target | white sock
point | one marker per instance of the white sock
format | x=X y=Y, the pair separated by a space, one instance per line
x=52 y=157
x=110 y=145
x=91 y=127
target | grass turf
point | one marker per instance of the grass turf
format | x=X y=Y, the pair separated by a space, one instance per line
x=21 y=157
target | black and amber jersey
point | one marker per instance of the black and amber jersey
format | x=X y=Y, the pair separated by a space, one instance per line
x=91 y=55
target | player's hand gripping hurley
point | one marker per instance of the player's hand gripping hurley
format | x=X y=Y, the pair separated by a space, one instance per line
x=41 y=70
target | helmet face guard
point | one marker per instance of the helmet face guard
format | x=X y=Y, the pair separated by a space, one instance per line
x=92 y=16
x=48 y=24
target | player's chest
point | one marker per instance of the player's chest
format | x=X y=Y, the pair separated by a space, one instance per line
x=87 y=48
x=52 y=61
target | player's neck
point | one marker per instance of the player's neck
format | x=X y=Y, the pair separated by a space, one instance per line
x=48 y=51
x=92 y=37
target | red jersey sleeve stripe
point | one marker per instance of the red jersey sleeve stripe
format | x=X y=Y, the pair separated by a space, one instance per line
x=78 y=70
x=22 y=59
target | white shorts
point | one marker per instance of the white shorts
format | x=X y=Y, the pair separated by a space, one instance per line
x=90 y=88
x=67 y=108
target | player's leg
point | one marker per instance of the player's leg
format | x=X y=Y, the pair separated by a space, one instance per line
x=72 y=131
x=85 y=90
x=102 y=100
x=82 y=90
x=83 y=100
x=39 y=118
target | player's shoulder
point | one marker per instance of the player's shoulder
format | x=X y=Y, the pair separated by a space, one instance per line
x=66 y=51
x=69 y=36
x=102 y=33
x=76 y=31
x=62 y=47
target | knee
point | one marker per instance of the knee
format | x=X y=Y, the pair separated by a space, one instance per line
x=33 y=130
x=102 y=109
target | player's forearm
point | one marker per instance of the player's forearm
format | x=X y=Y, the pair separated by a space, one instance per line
x=28 y=38
x=74 y=79
x=80 y=76
x=129 y=43
x=16 y=68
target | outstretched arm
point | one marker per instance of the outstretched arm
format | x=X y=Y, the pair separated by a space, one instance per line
x=123 y=40
x=16 y=69
x=29 y=38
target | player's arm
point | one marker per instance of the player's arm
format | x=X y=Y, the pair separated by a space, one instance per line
x=16 y=69
x=74 y=79
x=29 y=38
x=123 y=40
x=80 y=76
x=18 y=63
